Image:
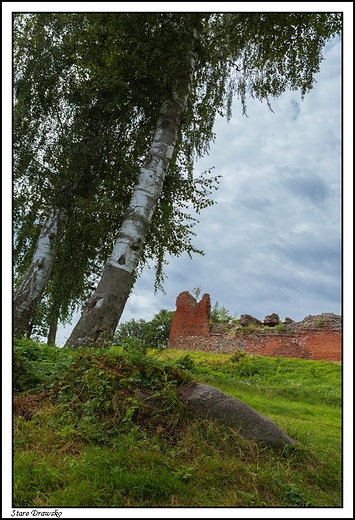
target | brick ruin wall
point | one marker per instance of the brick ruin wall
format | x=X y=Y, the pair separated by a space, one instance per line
x=191 y=330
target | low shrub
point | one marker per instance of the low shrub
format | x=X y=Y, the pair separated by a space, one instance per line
x=280 y=327
x=35 y=363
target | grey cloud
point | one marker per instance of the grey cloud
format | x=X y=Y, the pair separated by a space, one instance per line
x=306 y=249
x=296 y=109
x=256 y=204
x=309 y=185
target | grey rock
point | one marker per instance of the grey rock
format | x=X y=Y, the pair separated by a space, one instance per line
x=272 y=319
x=207 y=402
x=247 y=319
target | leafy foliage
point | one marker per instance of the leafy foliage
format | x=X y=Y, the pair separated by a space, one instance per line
x=98 y=392
x=220 y=314
x=36 y=364
x=186 y=362
x=150 y=334
x=280 y=327
x=74 y=102
x=245 y=365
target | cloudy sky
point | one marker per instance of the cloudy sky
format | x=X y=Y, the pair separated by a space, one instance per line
x=272 y=242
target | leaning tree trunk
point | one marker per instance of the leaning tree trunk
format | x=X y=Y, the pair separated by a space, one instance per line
x=101 y=315
x=37 y=275
x=52 y=332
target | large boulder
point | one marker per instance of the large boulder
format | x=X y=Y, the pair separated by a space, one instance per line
x=207 y=402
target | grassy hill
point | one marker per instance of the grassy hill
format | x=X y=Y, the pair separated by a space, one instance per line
x=82 y=438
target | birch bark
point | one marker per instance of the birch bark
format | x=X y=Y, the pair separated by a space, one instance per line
x=36 y=278
x=101 y=315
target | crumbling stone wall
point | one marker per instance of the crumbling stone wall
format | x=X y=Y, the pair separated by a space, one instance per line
x=315 y=337
x=307 y=344
x=190 y=318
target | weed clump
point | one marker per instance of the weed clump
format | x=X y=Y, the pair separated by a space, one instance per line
x=36 y=365
x=244 y=365
x=280 y=328
x=101 y=391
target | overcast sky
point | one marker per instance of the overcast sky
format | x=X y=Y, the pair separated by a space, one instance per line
x=272 y=242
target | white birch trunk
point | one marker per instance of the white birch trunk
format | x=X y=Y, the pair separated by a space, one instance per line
x=36 y=278
x=101 y=315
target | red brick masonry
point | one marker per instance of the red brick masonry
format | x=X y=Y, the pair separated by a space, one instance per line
x=190 y=330
x=190 y=318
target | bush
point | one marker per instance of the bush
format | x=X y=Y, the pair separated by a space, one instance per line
x=35 y=363
x=151 y=334
x=220 y=315
x=134 y=346
x=185 y=362
x=237 y=356
x=24 y=376
x=245 y=365
x=280 y=327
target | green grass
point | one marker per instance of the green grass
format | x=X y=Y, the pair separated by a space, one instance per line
x=83 y=439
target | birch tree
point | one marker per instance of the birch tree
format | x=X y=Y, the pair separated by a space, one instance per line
x=42 y=201
x=101 y=315
x=256 y=54
x=80 y=134
x=31 y=288
x=65 y=124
